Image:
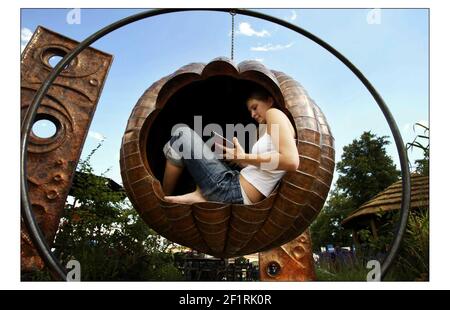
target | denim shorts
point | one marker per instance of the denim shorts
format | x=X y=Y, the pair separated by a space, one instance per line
x=216 y=180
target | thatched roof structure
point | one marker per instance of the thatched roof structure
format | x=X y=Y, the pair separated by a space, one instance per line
x=390 y=199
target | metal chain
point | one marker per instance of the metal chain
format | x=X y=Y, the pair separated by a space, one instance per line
x=232 y=33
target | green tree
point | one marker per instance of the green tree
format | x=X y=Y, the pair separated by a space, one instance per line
x=105 y=234
x=327 y=228
x=241 y=260
x=365 y=169
x=361 y=162
x=412 y=261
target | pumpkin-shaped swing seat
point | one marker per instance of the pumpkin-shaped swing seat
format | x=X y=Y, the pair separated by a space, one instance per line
x=215 y=92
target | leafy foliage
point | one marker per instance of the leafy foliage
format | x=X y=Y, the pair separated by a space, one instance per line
x=241 y=260
x=365 y=169
x=355 y=184
x=104 y=233
x=412 y=262
x=327 y=228
x=422 y=141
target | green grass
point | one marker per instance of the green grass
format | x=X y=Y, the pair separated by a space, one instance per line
x=356 y=274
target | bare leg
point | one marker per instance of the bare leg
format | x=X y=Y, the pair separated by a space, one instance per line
x=171 y=176
x=195 y=196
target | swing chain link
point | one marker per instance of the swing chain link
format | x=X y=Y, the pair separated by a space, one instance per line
x=232 y=13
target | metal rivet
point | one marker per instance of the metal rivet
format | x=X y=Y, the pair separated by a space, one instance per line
x=298 y=252
x=93 y=82
x=52 y=194
x=58 y=178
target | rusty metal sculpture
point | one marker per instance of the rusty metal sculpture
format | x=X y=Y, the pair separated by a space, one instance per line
x=70 y=105
x=292 y=261
x=220 y=229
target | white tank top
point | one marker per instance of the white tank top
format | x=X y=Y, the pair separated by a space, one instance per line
x=263 y=180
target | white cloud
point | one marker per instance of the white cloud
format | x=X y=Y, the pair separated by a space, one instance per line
x=293 y=16
x=25 y=36
x=96 y=135
x=259 y=59
x=247 y=30
x=271 y=47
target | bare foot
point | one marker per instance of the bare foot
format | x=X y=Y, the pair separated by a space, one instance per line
x=187 y=198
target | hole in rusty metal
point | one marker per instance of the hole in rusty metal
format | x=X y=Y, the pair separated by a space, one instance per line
x=53 y=61
x=53 y=55
x=45 y=128
x=273 y=269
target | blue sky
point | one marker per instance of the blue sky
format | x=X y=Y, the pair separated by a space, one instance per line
x=391 y=50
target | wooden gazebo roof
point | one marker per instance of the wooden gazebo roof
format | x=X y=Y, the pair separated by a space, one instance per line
x=391 y=198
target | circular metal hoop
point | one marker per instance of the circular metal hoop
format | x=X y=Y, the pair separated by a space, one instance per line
x=27 y=213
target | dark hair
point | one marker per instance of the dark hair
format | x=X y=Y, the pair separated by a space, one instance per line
x=259 y=93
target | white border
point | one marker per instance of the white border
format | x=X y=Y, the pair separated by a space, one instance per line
x=9 y=219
